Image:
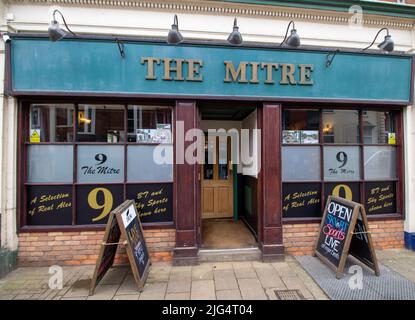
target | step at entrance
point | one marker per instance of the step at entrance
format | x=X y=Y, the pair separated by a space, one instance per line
x=220 y=255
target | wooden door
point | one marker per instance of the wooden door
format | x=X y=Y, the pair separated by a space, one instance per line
x=217 y=178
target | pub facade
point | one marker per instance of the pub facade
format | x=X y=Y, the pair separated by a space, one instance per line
x=221 y=145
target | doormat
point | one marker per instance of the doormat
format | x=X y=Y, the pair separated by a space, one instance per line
x=388 y=286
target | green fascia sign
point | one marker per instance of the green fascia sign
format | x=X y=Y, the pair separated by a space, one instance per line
x=91 y=66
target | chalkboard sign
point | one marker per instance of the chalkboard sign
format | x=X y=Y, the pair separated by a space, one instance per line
x=338 y=229
x=154 y=201
x=123 y=222
x=107 y=252
x=361 y=246
x=136 y=246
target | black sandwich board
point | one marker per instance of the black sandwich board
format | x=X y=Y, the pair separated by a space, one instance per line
x=123 y=223
x=344 y=230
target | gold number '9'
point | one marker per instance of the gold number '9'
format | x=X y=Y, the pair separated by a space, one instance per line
x=347 y=191
x=106 y=206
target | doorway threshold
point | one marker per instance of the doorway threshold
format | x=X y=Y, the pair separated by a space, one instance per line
x=234 y=254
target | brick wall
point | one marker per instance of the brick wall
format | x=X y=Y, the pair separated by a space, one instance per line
x=82 y=247
x=299 y=239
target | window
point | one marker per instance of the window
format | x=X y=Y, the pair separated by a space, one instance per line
x=101 y=123
x=51 y=123
x=78 y=179
x=357 y=158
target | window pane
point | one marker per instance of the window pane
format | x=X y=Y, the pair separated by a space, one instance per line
x=377 y=126
x=341 y=163
x=49 y=205
x=94 y=203
x=300 y=163
x=50 y=163
x=301 y=126
x=380 y=197
x=380 y=162
x=301 y=200
x=149 y=124
x=52 y=123
x=100 y=164
x=154 y=201
x=101 y=123
x=142 y=166
x=341 y=126
x=348 y=190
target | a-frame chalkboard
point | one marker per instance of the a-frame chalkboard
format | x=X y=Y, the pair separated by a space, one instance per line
x=344 y=230
x=123 y=222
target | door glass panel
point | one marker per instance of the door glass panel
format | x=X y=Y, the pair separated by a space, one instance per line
x=209 y=158
x=223 y=158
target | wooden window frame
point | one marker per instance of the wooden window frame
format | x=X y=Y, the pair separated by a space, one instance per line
x=23 y=143
x=399 y=181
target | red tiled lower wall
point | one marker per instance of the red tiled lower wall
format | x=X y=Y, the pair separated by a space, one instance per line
x=299 y=239
x=82 y=247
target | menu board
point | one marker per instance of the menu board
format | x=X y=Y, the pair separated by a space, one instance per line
x=380 y=197
x=346 y=190
x=334 y=229
x=301 y=200
x=94 y=203
x=108 y=251
x=49 y=205
x=136 y=248
x=154 y=201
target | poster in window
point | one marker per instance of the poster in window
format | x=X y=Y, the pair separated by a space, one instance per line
x=301 y=200
x=49 y=205
x=309 y=136
x=347 y=190
x=380 y=197
x=94 y=203
x=154 y=201
x=291 y=136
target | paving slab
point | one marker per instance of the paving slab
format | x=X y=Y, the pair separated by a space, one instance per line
x=203 y=290
x=225 y=280
x=154 y=291
x=128 y=286
x=202 y=272
x=126 y=296
x=178 y=296
x=104 y=292
x=251 y=289
x=179 y=285
x=233 y=294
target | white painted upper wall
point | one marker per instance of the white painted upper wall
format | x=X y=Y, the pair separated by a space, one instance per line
x=132 y=21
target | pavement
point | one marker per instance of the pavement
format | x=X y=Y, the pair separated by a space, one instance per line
x=248 y=280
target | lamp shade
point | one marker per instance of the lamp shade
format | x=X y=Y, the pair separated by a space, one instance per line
x=55 y=32
x=293 y=40
x=174 y=36
x=387 y=44
x=235 y=36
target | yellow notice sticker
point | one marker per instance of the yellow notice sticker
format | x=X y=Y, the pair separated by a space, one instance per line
x=35 y=135
x=391 y=138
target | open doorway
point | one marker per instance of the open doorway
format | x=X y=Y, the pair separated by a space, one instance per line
x=224 y=224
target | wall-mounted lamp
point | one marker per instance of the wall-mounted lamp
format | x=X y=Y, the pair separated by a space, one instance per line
x=386 y=45
x=82 y=119
x=6 y=37
x=235 y=36
x=56 y=33
x=293 y=40
x=174 y=36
